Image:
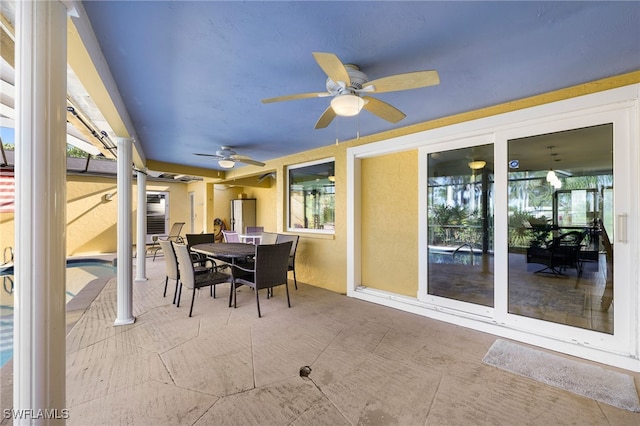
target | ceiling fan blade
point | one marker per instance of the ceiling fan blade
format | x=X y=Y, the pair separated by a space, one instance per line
x=383 y=109
x=296 y=96
x=326 y=118
x=208 y=155
x=247 y=160
x=410 y=80
x=333 y=67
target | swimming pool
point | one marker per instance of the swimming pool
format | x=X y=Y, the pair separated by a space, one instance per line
x=453 y=255
x=80 y=272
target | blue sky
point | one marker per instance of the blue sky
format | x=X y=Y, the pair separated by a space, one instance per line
x=8 y=135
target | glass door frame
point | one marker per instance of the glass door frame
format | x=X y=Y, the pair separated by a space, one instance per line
x=619 y=106
x=622 y=339
x=423 y=253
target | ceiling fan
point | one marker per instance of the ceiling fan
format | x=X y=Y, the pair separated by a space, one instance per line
x=227 y=158
x=349 y=86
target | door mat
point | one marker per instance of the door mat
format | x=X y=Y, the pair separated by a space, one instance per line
x=610 y=387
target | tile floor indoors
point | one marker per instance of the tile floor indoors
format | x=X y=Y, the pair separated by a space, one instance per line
x=370 y=365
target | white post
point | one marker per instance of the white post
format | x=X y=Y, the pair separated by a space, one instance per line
x=125 y=282
x=40 y=215
x=141 y=250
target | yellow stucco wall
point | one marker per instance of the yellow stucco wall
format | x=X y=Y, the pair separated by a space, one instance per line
x=389 y=222
x=266 y=207
x=222 y=196
x=321 y=258
x=266 y=204
x=202 y=222
x=92 y=220
x=389 y=200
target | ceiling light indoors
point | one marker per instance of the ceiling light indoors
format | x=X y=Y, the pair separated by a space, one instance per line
x=347 y=105
x=552 y=177
x=477 y=165
x=226 y=164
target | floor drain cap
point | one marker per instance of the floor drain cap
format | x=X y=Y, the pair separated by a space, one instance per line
x=305 y=371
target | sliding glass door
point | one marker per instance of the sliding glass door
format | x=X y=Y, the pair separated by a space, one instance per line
x=560 y=212
x=527 y=228
x=460 y=225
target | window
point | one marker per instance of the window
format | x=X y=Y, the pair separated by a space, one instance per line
x=157 y=214
x=312 y=196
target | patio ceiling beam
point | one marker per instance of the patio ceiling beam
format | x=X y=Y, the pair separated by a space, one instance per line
x=7 y=41
x=80 y=130
x=85 y=58
x=87 y=131
x=184 y=170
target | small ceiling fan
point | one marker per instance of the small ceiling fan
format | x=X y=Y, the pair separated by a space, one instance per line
x=227 y=158
x=349 y=86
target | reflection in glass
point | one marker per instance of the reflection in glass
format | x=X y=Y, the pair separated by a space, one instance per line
x=460 y=224
x=312 y=196
x=560 y=255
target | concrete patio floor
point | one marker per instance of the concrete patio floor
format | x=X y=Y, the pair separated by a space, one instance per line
x=370 y=365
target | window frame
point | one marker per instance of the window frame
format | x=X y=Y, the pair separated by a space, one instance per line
x=149 y=237
x=289 y=168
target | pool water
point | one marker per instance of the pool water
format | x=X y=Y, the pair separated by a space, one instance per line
x=6 y=340
x=79 y=274
x=449 y=258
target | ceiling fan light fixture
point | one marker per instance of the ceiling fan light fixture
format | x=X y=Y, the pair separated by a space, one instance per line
x=551 y=176
x=477 y=165
x=226 y=163
x=347 y=105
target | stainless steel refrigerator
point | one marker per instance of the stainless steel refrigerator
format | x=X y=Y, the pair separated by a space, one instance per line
x=243 y=214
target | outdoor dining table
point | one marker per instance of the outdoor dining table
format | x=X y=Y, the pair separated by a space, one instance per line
x=227 y=252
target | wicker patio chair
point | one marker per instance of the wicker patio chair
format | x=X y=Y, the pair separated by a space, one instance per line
x=269 y=270
x=192 y=280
